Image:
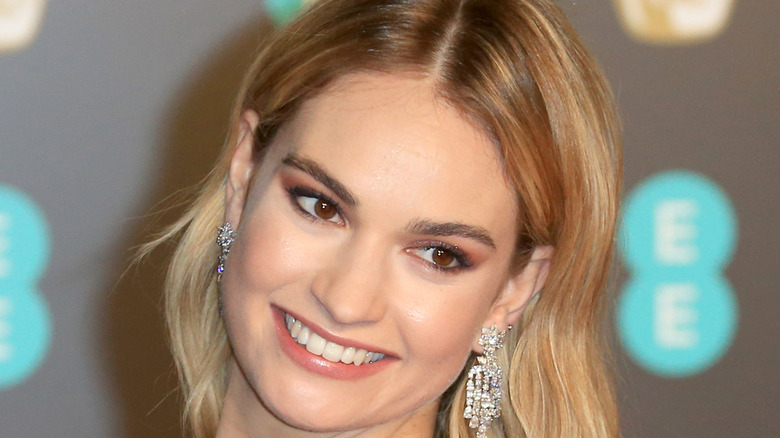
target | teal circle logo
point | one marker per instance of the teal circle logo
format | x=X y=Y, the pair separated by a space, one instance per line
x=281 y=11
x=678 y=314
x=25 y=327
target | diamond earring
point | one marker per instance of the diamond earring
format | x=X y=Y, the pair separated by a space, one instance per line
x=225 y=239
x=483 y=387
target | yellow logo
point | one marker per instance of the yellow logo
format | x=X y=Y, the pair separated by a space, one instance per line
x=674 y=21
x=19 y=23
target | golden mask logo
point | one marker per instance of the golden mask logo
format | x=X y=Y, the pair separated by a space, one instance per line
x=674 y=21
x=19 y=23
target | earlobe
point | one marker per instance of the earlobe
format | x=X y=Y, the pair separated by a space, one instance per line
x=520 y=289
x=241 y=167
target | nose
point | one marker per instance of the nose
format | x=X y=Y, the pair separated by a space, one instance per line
x=351 y=286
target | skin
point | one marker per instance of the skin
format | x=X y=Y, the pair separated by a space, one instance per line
x=405 y=155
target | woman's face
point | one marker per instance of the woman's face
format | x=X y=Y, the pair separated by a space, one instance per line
x=379 y=221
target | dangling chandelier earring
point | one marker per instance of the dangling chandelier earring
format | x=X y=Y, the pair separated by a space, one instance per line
x=483 y=387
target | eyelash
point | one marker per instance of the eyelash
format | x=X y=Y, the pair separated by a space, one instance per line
x=296 y=192
x=464 y=262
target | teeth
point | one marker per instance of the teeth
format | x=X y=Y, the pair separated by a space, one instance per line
x=348 y=355
x=316 y=344
x=331 y=351
x=303 y=336
x=296 y=329
x=360 y=356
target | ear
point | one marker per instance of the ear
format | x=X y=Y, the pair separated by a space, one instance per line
x=242 y=164
x=518 y=291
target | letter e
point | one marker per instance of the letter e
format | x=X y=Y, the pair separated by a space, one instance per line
x=675 y=315
x=675 y=231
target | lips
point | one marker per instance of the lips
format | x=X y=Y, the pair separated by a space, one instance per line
x=322 y=352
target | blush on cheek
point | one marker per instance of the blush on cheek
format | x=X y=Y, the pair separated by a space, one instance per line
x=444 y=322
x=445 y=344
x=449 y=355
x=270 y=255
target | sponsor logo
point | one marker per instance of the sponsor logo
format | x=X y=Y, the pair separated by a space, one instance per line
x=25 y=324
x=20 y=21
x=674 y=21
x=281 y=11
x=677 y=315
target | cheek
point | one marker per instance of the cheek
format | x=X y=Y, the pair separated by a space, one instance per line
x=440 y=334
x=267 y=255
x=268 y=258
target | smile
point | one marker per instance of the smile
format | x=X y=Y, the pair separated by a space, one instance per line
x=328 y=350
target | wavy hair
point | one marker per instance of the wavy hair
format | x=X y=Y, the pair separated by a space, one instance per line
x=515 y=67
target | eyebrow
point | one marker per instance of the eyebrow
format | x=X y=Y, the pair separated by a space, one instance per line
x=316 y=171
x=422 y=226
x=451 y=229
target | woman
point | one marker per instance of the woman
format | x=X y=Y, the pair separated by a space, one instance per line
x=404 y=181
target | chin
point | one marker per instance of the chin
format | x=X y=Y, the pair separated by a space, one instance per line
x=302 y=413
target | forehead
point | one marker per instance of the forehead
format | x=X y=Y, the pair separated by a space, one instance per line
x=391 y=137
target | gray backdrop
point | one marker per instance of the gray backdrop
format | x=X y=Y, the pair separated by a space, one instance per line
x=117 y=105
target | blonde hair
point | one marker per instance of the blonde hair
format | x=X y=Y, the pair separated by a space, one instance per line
x=517 y=69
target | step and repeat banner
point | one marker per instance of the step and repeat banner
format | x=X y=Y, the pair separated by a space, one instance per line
x=108 y=108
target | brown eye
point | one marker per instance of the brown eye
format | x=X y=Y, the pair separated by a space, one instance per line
x=324 y=210
x=316 y=206
x=442 y=257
